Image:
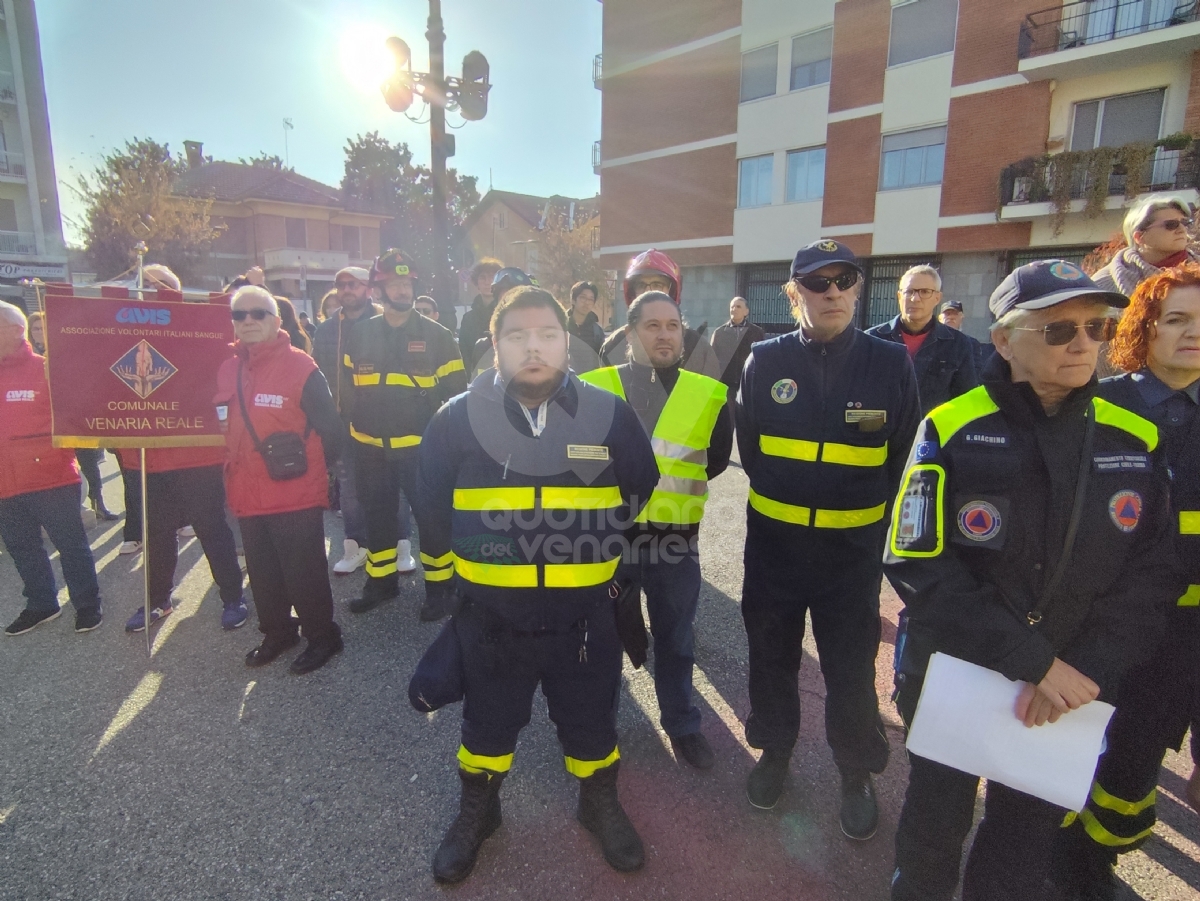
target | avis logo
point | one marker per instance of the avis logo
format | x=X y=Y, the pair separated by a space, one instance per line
x=19 y=395
x=144 y=316
x=274 y=401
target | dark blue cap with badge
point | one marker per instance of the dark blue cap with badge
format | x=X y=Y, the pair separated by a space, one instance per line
x=1047 y=283
x=820 y=253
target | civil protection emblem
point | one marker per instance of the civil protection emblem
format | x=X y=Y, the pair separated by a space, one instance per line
x=1125 y=510
x=1064 y=270
x=784 y=391
x=143 y=369
x=979 y=520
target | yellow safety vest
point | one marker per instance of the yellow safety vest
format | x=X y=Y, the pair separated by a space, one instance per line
x=680 y=441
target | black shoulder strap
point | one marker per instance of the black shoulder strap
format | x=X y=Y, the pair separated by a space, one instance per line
x=246 y=416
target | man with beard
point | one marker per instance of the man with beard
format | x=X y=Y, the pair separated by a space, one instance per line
x=403 y=367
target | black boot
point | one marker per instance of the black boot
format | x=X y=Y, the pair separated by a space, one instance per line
x=478 y=817
x=601 y=814
x=102 y=512
x=860 y=811
x=767 y=779
x=375 y=592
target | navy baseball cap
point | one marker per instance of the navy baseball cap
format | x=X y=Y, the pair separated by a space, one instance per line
x=1047 y=283
x=952 y=305
x=820 y=253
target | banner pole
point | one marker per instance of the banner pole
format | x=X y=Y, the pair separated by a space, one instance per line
x=145 y=555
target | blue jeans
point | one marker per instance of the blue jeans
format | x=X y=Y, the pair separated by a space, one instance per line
x=671 y=579
x=354 y=520
x=56 y=510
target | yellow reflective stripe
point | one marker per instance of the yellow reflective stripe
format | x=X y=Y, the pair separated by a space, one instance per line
x=366 y=379
x=425 y=381
x=445 y=560
x=438 y=575
x=479 y=763
x=1189 y=522
x=378 y=572
x=382 y=556
x=691 y=411
x=673 y=509
x=681 y=469
x=800 y=516
x=961 y=411
x=1117 y=805
x=347 y=362
x=493 y=498
x=849 y=519
x=497 y=574
x=673 y=485
x=455 y=365
x=399 y=378
x=1190 y=598
x=849 y=455
x=1119 y=418
x=365 y=439
x=579 y=575
x=607 y=379
x=1102 y=836
x=792 y=448
x=585 y=768
x=405 y=441
x=899 y=507
x=580 y=498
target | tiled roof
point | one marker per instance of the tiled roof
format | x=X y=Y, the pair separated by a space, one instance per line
x=236 y=181
x=530 y=207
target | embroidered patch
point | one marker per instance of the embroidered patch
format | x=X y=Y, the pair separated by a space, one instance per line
x=926 y=450
x=1065 y=270
x=1121 y=462
x=986 y=440
x=784 y=391
x=1125 y=510
x=827 y=246
x=587 y=452
x=979 y=521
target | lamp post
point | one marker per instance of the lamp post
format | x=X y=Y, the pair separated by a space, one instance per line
x=468 y=95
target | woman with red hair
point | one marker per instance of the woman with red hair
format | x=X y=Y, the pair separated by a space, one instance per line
x=1158 y=347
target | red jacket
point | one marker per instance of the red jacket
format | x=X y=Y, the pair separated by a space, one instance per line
x=273 y=377
x=28 y=461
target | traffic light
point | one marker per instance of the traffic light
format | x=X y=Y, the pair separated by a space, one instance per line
x=398 y=89
x=473 y=91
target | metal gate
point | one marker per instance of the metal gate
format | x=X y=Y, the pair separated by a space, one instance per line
x=762 y=286
x=878 y=299
x=1018 y=258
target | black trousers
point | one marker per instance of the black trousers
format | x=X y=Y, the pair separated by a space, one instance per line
x=89 y=464
x=380 y=477
x=285 y=558
x=194 y=497
x=131 y=481
x=1010 y=858
x=578 y=668
x=791 y=570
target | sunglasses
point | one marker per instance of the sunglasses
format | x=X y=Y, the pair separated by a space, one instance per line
x=1060 y=333
x=820 y=284
x=1172 y=225
x=258 y=314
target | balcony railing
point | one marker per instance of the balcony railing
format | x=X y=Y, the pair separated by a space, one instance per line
x=1095 y=21
x=598 y=70
x=8 y=87
x=1032 y=180
x=12 y=163
x=18 y=242
x=596 y=157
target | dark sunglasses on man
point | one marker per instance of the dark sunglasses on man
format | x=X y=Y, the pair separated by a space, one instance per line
x=819 y=284
x=1060 y=333
x=258 y=314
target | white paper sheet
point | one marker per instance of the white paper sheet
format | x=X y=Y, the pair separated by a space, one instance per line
x=966 y=719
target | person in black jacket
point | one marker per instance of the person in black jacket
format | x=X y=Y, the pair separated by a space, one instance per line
x=1158 y=346
x=942 y=357
x=1031 y=536
x=527 y=482
x=823 y=416
x=732 y=342
x=952 y=315
x=582 y=321
x=476 y=320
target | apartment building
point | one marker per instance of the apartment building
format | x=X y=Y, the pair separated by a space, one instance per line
x=31 y=238
x=916 y=131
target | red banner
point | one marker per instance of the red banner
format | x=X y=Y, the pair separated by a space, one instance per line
x=131 y=373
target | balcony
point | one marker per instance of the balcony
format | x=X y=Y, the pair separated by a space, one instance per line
x=8 y=88
x=598 y=70
x=12 y=164
x=21 y=243
x=287 y=262
x=596 y=157
x=1091 y=36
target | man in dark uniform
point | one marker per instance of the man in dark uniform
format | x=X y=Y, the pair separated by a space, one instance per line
x=403 y=367
x=1031 y=537
x=943 y=358
x=527 y=481
x=824 y=416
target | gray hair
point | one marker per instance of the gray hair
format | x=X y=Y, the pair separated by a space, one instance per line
x=255 y=291
x=158 y=275
x=923 y=269
x=11 y=314
x=1140 y=214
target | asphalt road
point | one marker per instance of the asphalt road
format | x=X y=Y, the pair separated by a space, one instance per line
x=185 y=775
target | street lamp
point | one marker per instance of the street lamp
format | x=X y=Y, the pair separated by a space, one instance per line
x=468 y=95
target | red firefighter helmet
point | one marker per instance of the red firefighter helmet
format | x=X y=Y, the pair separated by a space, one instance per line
x=652 y=262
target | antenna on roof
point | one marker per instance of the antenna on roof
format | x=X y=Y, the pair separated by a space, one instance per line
x=287 y=126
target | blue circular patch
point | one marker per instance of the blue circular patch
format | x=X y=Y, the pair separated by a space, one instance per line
x=979 y=520
x=1064 y=270
x=784 y=391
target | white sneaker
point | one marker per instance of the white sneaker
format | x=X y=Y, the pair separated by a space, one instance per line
x=186 y=532
x=404 y=558
x=353 y=557
x=130 y=547
x=242 y=560
x=88 y=515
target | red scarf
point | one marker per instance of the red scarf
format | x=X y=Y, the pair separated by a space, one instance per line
x=1174 y=259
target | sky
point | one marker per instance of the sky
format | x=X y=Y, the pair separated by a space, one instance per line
x=228 y=72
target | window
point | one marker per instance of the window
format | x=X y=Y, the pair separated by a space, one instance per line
x=922 y=28
x=913 y=158
x=296 y=234
x=754 y=181
x=1113 y=121
x=8 y=215
x=811 y=56
x=805 y=174
x=759 y=69
x=350 y=242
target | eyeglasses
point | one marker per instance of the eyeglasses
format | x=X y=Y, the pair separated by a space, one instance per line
x=1172 y=225
x=1060 y=333
x=258 y=314
x=923 y=293
x=819 y=284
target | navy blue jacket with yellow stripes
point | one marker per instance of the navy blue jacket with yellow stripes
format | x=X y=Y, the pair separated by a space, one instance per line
x=980 y=524
x=401 y=376
x=823 y=429
x=532 y=527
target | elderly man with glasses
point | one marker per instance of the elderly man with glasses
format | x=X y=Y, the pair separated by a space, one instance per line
x=824 y=416
x=943 y=357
